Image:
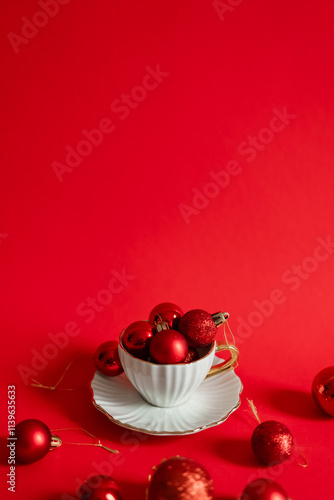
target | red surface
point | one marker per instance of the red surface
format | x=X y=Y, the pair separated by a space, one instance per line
x=224 y=80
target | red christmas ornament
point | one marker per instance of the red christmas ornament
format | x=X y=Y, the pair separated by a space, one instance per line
x=107 y=360
x=323 y=390
x=198 y=327
x=191 y=356
x=263 y=489
x=99 y=488
x=272 y=442
x=180 y=478
x=167 y=313
x=34 y=440
x=168 y=347
x=137 y=338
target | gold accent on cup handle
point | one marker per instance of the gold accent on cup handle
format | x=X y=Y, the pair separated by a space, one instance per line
x=225 y=365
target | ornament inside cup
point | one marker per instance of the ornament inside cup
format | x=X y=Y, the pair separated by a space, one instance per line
x=137 y=337
x=168 y=346
x=198 y=327
x=192 y=355
x=166 y=312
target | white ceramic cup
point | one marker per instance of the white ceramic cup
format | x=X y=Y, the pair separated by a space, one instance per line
x=172 y=384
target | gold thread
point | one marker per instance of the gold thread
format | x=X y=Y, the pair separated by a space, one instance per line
x=54 y=387
x=228 y=326
x=99 y=444
x=300 y=455
x=254 y=410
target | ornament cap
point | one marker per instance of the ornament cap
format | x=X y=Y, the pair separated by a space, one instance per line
x=55 y=442
x=162 y=326
x=220 y=317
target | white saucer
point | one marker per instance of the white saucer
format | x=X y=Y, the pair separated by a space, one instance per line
x=212 y=403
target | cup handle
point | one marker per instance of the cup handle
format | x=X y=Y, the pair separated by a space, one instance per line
x=225 y=365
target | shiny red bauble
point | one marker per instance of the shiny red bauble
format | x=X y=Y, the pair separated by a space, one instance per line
x=191 y=356
x=137 y=337
x=107 y=360
x=180 y=478
x=263 y=489
x=198 y=327
x=33 y=440
x=323 y=390
x=272 y=442
x=99 y=488
x=167 y=312
x=168 y=347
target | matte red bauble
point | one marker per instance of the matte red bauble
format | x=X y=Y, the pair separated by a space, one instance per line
x=263 y=489
x=272 y=442
x=34 y=440
x=107 y=360
x=180 y=478
x=323 y=390
x=167 y=312
x=137 y=338
x=198 y=327
x=99 y=488
x=191 y=356
x=168 y=347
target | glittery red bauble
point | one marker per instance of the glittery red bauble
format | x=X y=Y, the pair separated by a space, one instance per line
x=168 y=347
x=272 y=442
x=180 y=478
x=191 y=356
x=99 y=488
x=323 y=390
x=137 y=338
x=166 y=312
x=263 y=489
x=33 y=440
x=107 y=360
x=198 y=327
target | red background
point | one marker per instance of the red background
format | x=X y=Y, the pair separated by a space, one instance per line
x=120 y=209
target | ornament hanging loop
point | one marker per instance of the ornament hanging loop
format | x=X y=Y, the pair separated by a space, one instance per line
x=220 y=318
x=55 y=442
